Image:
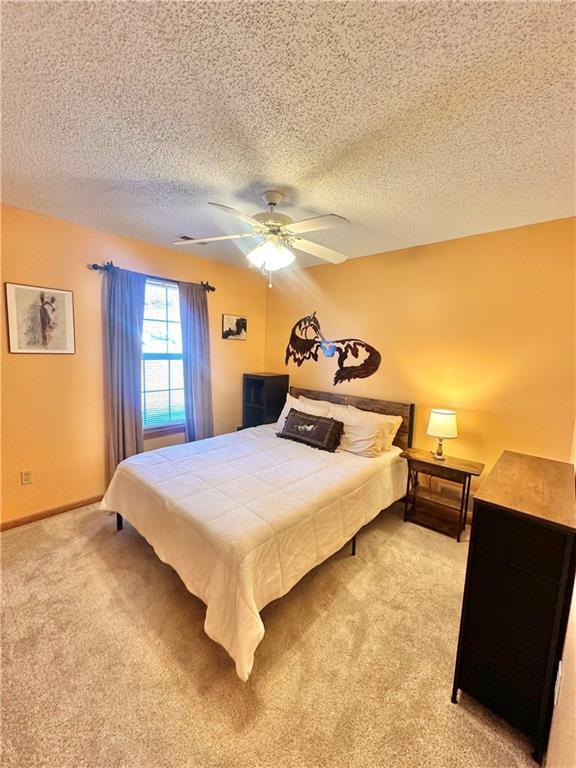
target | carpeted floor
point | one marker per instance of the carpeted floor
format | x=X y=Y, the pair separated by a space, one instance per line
x=105 y=662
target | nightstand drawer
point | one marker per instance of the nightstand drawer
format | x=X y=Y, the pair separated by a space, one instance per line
x=437 y=470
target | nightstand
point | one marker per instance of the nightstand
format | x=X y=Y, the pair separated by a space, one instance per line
x=433 y=510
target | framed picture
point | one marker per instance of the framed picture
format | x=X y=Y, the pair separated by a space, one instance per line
x=40 y=320
x=234 y=327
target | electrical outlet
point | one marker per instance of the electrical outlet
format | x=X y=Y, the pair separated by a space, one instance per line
x=26 y=477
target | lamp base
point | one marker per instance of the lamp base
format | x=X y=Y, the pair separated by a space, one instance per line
x=439 y=452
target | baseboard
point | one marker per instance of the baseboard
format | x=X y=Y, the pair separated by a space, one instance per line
x=16 y=521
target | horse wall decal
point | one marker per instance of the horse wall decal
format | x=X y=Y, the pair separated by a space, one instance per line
x=307 y=341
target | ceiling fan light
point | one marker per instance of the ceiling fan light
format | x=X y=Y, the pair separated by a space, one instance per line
x=271 y=256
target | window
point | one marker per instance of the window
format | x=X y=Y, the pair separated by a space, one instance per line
x=162 y=376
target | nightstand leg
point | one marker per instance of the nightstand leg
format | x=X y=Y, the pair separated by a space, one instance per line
x=406 y=497
x=467 y=500
x=464 y=507
x=462 y=516
x=412 y=480
x=466 y=503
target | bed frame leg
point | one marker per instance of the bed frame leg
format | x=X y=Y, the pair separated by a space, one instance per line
x=119 y=522
x=353 y=546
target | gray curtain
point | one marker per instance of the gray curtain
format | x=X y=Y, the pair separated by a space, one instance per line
x=196 y=356
x=123 y=320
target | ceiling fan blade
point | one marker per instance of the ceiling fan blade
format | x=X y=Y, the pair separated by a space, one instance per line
x=187 y=240
x=320 y=251
x=238 y=214
x=318 y=222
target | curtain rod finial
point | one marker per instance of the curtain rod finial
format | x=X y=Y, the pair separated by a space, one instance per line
x=102 y=267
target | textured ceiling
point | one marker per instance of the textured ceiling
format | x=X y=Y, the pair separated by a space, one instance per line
x=418 y=121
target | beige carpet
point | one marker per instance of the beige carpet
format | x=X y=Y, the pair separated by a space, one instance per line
x=105 y=662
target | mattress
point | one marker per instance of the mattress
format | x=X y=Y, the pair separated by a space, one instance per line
x=242 y=517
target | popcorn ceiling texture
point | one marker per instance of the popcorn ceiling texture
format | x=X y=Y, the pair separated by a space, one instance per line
x=419 y=121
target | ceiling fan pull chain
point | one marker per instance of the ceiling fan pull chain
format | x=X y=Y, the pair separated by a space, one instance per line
x=269 y=279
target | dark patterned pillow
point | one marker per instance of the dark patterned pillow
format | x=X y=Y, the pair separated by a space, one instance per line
x=317 y=431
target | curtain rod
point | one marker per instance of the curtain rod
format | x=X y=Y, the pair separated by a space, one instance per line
x=108 y=265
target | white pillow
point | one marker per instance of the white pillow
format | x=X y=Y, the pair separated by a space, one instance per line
x=299 y=405
x=319 y=403
x=389 y=426
x=341 y=410
x=361 y=434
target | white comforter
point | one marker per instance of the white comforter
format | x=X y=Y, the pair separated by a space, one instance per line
x=243 y=516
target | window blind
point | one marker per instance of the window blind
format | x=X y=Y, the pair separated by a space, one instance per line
x=162 y=376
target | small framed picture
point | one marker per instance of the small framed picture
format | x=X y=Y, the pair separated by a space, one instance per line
x=40 y=320
x=234 y=327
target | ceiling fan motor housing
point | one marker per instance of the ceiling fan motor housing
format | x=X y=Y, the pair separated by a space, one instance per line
x=271 y=218
x=273 y=197
x=274 y=221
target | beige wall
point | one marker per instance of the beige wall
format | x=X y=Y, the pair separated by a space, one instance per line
x=484 y=325
x=562 y=745
x=52 y=405
x=2 y=316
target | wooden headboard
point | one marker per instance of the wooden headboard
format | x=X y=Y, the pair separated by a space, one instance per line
x=403 y=437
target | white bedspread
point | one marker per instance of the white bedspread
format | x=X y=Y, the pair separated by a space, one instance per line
x=244 y=516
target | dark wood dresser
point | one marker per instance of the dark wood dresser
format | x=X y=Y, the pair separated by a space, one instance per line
x=519 y=582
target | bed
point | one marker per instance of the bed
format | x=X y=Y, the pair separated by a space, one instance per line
x=242 y=517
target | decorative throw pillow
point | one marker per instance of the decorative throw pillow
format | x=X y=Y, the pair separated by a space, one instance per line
x=294 y=402
x=316 y=431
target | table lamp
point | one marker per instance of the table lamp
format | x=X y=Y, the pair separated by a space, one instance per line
x=442 y=425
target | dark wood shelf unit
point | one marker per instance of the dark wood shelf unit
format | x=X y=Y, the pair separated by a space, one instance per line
x=434 y=511
x=518 y=589
x=264 y=395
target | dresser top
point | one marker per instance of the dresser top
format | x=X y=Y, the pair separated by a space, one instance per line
x=533 y=486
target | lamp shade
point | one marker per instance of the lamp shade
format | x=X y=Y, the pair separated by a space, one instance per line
x=442 y=423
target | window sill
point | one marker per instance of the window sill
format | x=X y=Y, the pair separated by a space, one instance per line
x=169 y=429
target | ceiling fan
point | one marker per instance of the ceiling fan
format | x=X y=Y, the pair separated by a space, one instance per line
x=279 y=235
